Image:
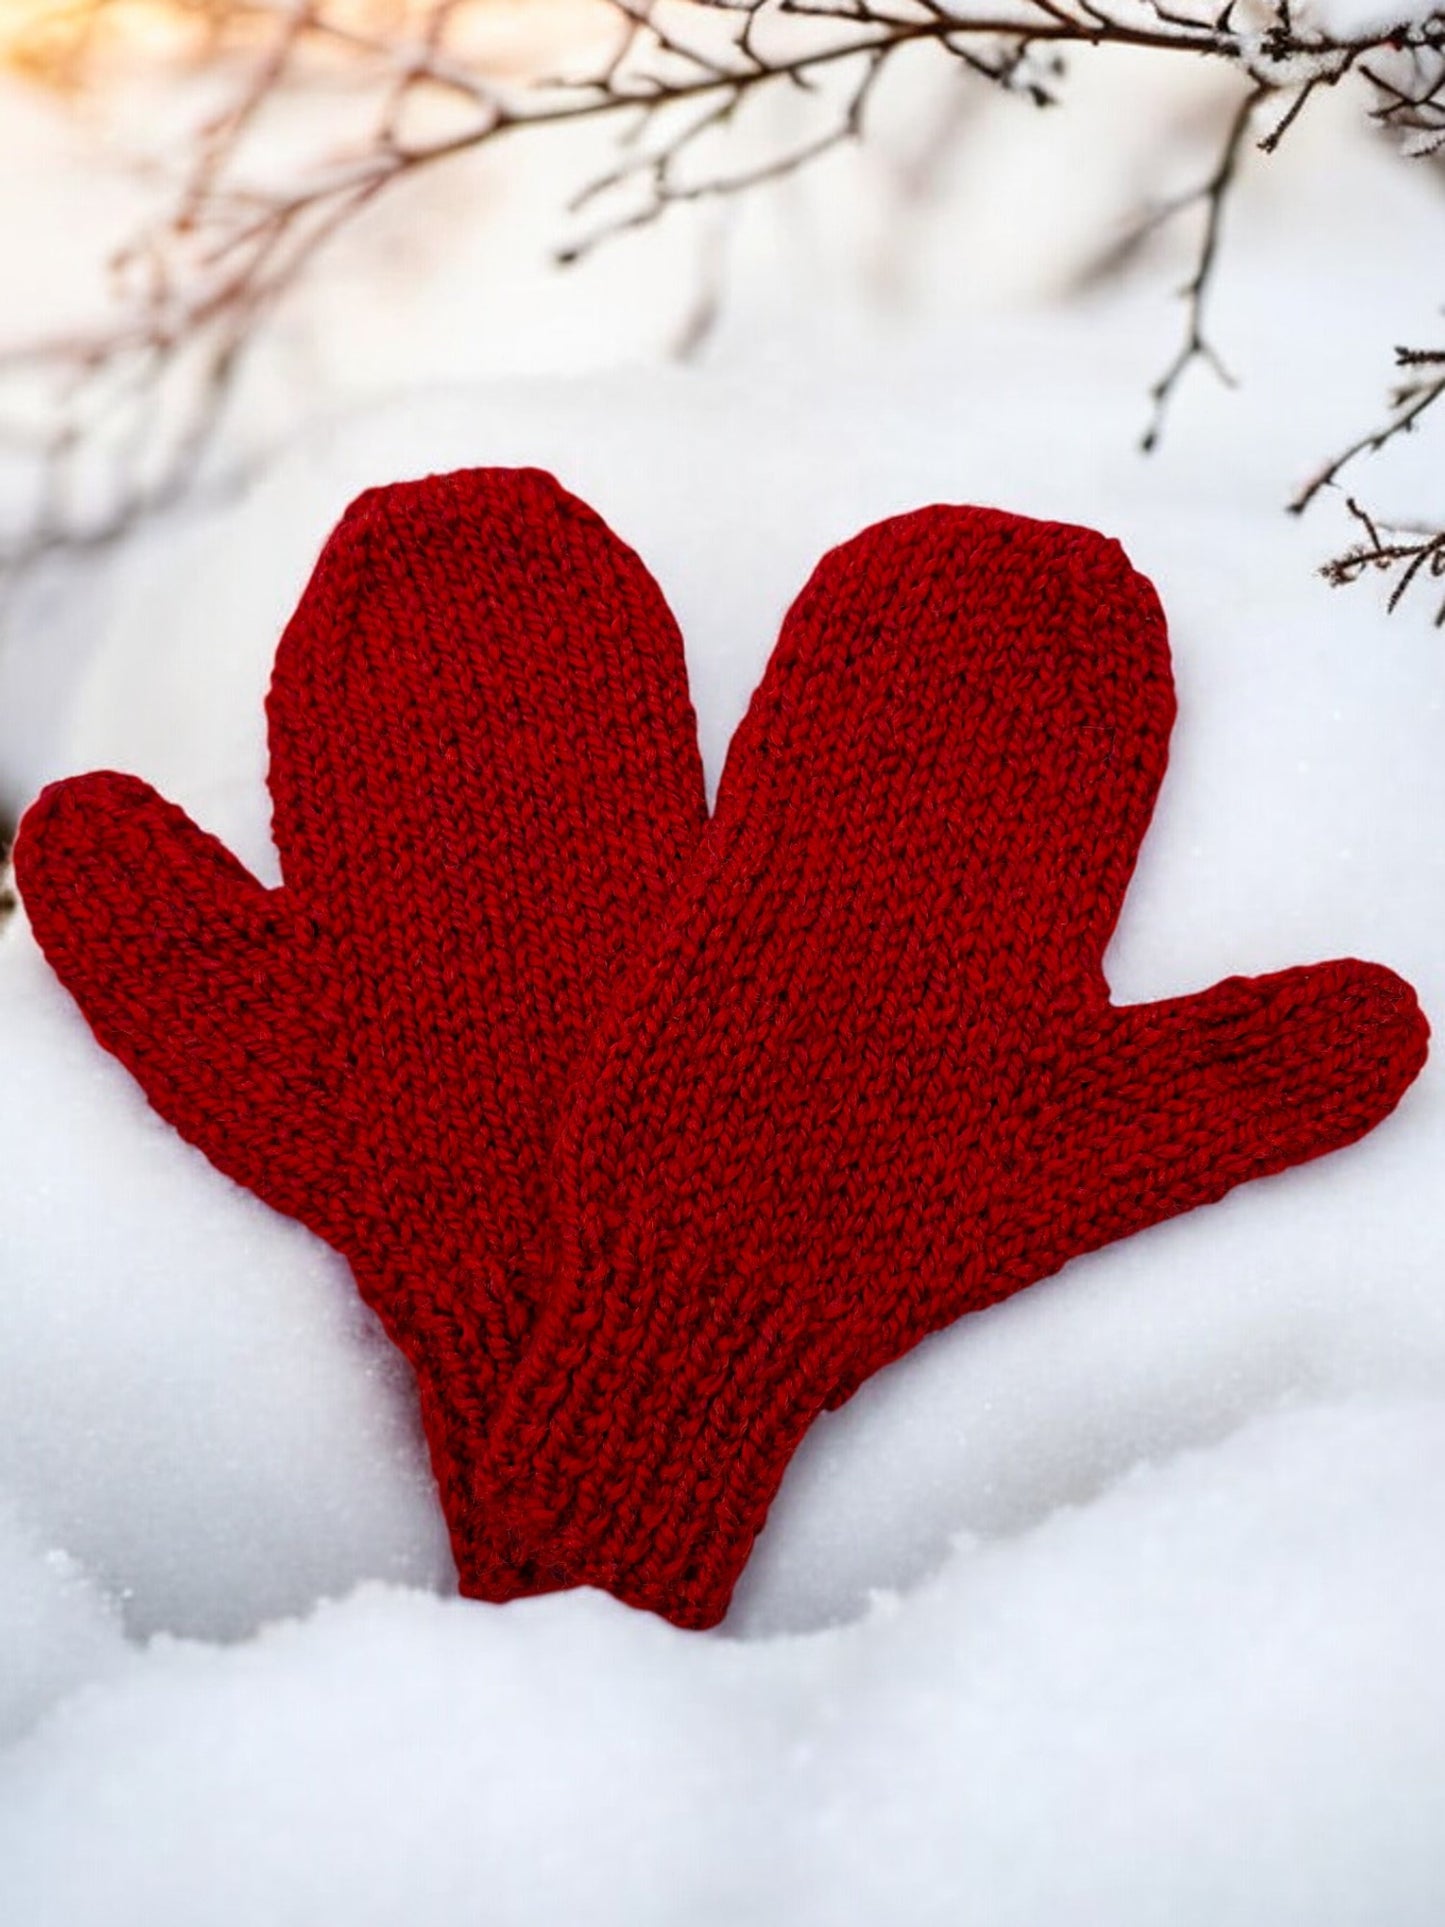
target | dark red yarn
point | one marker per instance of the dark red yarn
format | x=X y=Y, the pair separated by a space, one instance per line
x=485 y=778
x=860 y=1077
x=867 y=1077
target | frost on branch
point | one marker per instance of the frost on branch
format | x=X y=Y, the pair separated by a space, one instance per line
x=131 y=406
x=1405 y=555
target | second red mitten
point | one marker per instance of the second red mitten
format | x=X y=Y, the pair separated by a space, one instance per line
x=866 y=1076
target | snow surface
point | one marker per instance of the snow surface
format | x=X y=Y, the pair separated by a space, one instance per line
x=1118 y=1604
x=1349 y=19
x=1019 y=1732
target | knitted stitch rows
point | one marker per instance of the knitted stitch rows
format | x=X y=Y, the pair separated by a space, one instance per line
x=860 y=1076
x=485 y=778
x=866 y=1077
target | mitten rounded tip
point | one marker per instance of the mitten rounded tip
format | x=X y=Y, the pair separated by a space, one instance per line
x=1348 y=1037
x=107 y=868
x=1004 y=590
x=1383 y=1014
x=960 y=526
x=70 y=822
x=454 y=495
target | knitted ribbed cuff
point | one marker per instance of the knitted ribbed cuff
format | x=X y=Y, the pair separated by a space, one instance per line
x=646 y=1433
x=458 y=1364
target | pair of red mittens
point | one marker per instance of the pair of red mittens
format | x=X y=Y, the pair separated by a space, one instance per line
x=648 y=1137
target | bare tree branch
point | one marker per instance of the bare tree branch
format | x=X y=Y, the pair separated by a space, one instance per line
x=1409 y=400
x=1196 y=345
x=1408 y=555
x=143 y=395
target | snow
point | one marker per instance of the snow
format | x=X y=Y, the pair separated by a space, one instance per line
x=1351 y=19
x=1014 y=1741
x=60 y=1630
x=1117 y=1604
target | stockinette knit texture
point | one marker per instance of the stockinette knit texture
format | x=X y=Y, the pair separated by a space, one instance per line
x=485 y=779
x=866 y=1076
x=860 y=1075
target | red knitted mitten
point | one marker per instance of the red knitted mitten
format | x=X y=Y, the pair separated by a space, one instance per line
x=485 y=778
x=867 y=1077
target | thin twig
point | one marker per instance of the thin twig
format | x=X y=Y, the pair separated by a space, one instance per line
x=672 y=78
x=1211 y=195
x=1408 y=555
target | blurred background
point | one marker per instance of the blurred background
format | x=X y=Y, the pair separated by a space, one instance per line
x=227 y=221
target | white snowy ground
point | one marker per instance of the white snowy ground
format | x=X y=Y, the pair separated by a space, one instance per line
x=1120 y=1604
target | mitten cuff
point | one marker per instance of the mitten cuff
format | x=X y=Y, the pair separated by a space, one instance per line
x=639 y=1450
x=455 y=1357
